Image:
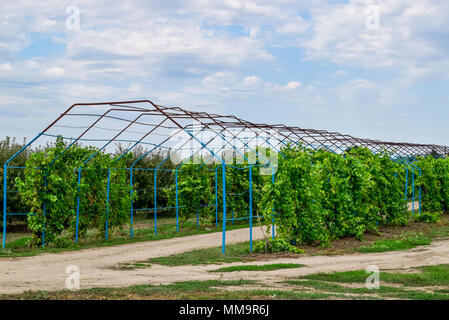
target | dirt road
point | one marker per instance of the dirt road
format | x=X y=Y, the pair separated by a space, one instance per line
x=97 y=266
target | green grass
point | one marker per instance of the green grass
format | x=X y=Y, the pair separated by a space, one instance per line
x=234 y=253
x=18 y=243
x=284 y=295
x=426 y=276
x=167 y=229
x=403 y=242
x=428 y=217
x=19 y=247
x=409 y=283
x=334 y=287
x=315 y=286
x=131 y=266
x=239 y=252
x=438 y=231
x=384 y=292
x=179 y=290
x=189 y=290
x=209 y=286
x=357 y=276
x=266 y=267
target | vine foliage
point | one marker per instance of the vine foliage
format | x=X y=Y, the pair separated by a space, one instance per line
x=51 y=186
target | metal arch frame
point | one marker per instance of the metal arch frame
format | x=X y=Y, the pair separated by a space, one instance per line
x=221 y=135
x=308 y=137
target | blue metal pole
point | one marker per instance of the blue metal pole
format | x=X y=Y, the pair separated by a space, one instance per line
x=132 y=203
x=155 y=202
x=107 y=203
x=177 y=203
x=273 y=221
x=413 y=183
x=44 y=211
x=250 y=208
x=406 y=185
x=420 y=193
x=5 y=170
x=223 y=171
x=78 y=205
x=216 y=197
x=419 y=170
x=5 y=166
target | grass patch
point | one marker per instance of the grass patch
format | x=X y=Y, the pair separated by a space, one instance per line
x=429 y=217
x=179 y=290
x=240 y=253
x=410 y=284
x=19 y=247
x=144 y=231
x=234 y=253
x=286 y=295
x=427 y=276
x=18 y=243
x=335 y=287
x=131 y=266
x=339 y=285
x=266 y=267
x=402 y=242
x=384 y=292
x=190 y=290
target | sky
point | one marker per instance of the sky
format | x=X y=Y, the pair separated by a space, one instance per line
x=372 y=69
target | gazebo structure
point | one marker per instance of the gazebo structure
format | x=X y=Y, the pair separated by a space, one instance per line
x=199 y=137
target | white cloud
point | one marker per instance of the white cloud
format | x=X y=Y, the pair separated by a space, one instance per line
x=296 y=26
x=135 y=87
x=233 y=84
x=355 y=89
x=410 y=34
x=83 y=92
x=218 y=80
x=6 y=67
x=254 y=32
x=220 y=55
x=293 y=85
x=361 y=83
x=339 y=73
x=54 y=72
x=159 y=39
x=252 y=81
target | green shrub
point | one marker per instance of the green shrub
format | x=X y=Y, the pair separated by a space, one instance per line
x=429 y=217
x=275 y=245
x=296 y=196
x=319 y=195
x=194 y=192
x=53 y=185
x=434 y=182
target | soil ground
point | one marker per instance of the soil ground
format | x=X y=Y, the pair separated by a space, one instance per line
x=99 y=266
